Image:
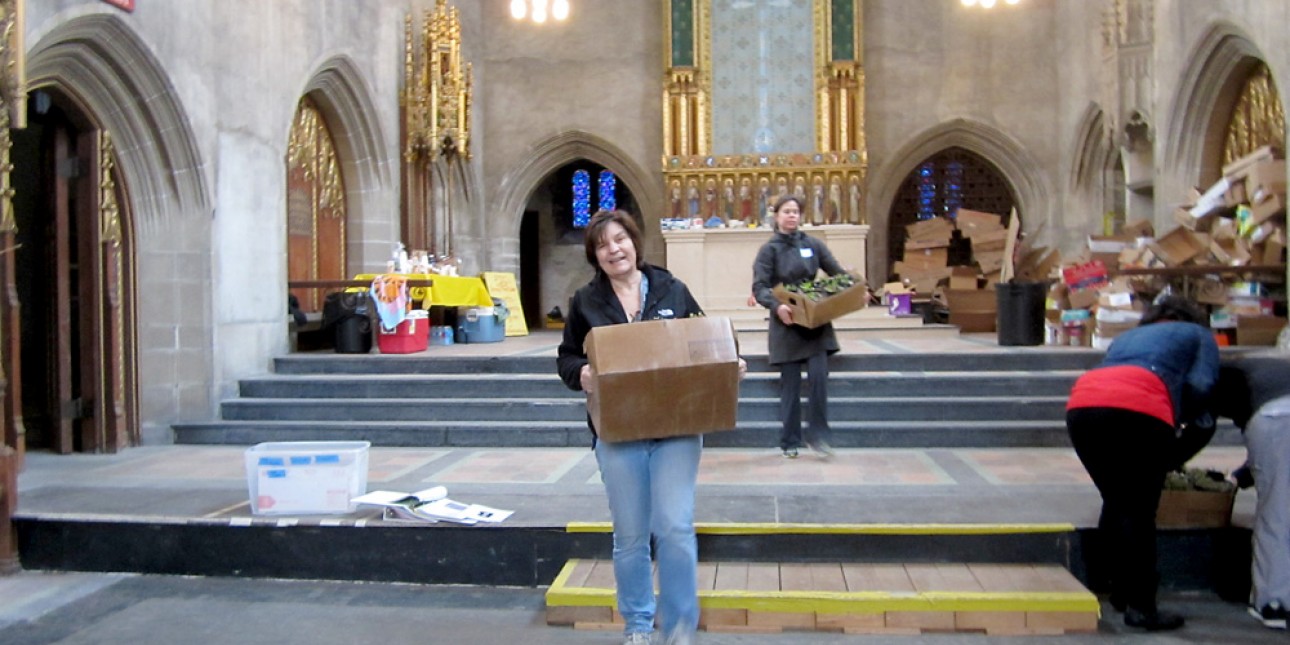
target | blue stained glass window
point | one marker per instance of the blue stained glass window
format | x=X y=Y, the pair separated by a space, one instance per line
x=607 y=190
x=927 y=191
x=953 y=187
x=581 y=199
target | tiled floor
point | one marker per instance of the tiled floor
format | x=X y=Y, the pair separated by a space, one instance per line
x=554 y=486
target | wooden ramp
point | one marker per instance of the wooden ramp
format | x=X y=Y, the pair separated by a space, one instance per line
x=859 y=598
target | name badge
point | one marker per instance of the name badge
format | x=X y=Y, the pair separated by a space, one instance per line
x=808 y=253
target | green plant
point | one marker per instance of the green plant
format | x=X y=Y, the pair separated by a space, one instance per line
x=1199 y=479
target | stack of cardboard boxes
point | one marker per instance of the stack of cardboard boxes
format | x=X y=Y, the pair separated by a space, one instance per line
x=927 y=248
x=1239 y=221
x=968 y=290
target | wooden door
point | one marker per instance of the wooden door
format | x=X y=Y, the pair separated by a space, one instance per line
x=74 y=277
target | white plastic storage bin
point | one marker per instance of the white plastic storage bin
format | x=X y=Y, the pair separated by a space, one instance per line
x=306 y=477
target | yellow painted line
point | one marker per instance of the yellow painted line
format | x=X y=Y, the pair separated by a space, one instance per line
x=562 y=579
x=872 y=602
x=717 y=528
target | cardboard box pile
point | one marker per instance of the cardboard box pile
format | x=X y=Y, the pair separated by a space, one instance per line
x=927 y=247
x=1239 y=221
x=663 y=378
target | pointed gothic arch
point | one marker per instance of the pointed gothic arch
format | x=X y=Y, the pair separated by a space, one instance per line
x=571 y=146
x=344 y=99
x=101 y=64
x=1009 y=156
x=1205 y=95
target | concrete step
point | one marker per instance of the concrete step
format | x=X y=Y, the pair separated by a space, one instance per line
x=897 y=408
x=852 y=597
x=1030 y=359
x=756 y=384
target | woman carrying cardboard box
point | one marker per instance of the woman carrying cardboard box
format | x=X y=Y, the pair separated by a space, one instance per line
x=789 y=257
x=650 y=483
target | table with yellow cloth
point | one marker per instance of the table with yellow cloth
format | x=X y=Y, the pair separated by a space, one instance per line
x=448 y=290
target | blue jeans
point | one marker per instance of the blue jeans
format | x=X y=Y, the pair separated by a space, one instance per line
x=650 y=485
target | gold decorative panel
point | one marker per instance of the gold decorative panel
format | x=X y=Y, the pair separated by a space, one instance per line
x=740 y=186
x=1258 y=119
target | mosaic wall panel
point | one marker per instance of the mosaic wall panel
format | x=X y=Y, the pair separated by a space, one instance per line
x=763 y=96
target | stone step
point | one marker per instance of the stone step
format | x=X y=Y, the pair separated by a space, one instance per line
x=1028 y=359
x=496 y=434
x=756 y=384
x=852 y=597
x=895 y=408
x=532 y=434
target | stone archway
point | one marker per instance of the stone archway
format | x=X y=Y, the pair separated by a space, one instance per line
x=1006 y=154
x=345 y=101
x=1198 y=112
x=112 y=75
x=557 y=151
x=519 y=185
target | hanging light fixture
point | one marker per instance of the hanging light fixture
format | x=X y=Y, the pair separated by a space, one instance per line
x=986 y=4
x=539 y=10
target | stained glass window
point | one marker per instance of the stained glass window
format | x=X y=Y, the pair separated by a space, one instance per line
x=581 y=199
x=606 y=190
x=938 y=187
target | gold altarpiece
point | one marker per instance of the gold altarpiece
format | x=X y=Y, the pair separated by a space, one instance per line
x=739 y=186
x=1258 y=118
x=436 y=105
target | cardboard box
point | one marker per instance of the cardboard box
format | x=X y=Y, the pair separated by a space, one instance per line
x=1138 y=228
x=1087 y=275
x=973 y=223
x=663 y=378
x=971 y=300
x=1265 y=179
x=963 y=278
x=1230 y=252
x=1240 y=167
x=816 y=313
x=306 y=477
x=1273 y=248
x=937 y=228
x=927 y=258
x=1179 y=246
x=973 y=321
x=1258 y=330
x=1194 y=509
x=1272 y=206
x=1183 y=217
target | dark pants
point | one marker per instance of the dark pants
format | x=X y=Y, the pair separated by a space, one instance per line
x=1127 y=454
x=790 y=401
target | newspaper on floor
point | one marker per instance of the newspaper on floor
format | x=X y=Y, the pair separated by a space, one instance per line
x=430 y=505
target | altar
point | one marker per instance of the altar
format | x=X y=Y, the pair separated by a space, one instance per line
x=716 y=264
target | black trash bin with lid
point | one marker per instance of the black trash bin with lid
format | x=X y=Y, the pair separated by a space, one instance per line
x=1021 y=312
x=349 y=315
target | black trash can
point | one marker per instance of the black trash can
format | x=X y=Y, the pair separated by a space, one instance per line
x=349 y=316
x=1021 y=312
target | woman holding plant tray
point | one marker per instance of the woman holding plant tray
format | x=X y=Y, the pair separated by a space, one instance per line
x=789 y=258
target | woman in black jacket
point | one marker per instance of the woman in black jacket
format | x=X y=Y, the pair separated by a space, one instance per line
x=650 y=483
x=792 y=256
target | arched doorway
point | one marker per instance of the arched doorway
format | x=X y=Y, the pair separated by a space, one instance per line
x=75 y=282
x=552 y=261
x=938 y=186
x=317 y=214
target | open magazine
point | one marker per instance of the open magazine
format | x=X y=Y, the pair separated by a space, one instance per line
x=430 y=505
